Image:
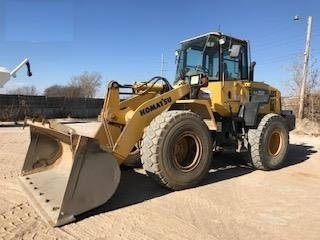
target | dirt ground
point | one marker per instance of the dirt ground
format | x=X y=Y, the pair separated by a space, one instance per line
x=233 y=202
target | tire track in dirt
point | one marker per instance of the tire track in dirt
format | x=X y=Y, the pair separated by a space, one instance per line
x=259 y=205
x=21 y=222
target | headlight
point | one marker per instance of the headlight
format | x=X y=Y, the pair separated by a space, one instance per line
x=195 y=80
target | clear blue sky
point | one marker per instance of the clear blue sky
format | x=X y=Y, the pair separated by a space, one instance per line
x=123 y=40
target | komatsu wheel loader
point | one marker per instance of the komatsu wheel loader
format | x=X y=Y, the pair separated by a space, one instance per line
x=213 y=104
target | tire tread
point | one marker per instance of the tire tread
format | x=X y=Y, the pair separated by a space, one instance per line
x=150 y=149
x=255 y=135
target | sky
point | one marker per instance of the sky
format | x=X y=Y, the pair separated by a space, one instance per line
x=124 y=40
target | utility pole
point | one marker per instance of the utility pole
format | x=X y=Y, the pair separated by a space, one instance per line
x=162 y=65
x=305 y=67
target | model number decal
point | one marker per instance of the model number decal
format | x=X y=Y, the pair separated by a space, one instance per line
x=155 y=106
x=259 y=92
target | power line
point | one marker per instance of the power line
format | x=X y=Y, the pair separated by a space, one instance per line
x=278 y=59
x=278 y=42
x=278 y=47
x=282 y=28
x=278 y=36
x=278 y=39
x=288 y=57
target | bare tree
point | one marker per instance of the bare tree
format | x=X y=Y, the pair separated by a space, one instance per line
x=89 y=83
x=25 y=90
x=63 y=91
x=55 y=91
x=312 y=96
x=84 y=85
x=313 y=82
x=75 y=91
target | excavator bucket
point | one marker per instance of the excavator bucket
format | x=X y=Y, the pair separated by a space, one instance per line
x=66 y=174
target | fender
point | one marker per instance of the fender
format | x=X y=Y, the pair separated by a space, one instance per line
x=200 y=107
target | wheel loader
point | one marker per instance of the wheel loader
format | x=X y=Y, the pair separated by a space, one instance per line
x=214 y=104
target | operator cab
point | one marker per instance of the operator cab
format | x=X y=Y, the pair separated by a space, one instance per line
x=215 y=55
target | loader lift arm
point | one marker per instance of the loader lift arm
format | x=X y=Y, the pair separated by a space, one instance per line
x=123 y=122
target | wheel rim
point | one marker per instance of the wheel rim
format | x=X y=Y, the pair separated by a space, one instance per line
x=275 y=143
x=187 y=152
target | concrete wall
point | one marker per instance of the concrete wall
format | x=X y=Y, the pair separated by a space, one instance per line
x=17 y=107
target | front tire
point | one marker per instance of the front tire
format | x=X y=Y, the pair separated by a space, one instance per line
x=177 y=149
x=268 y=143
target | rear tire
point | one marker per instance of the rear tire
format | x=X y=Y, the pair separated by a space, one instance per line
x=268 y=143
x=177 y=149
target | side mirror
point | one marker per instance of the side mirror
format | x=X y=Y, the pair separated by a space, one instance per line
x=222 y=40
x=235 y=51
x=4 y=76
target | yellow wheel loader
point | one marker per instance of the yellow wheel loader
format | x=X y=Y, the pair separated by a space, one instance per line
x=213 y=104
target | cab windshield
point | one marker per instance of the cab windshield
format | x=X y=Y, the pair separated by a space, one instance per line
x=199 y=56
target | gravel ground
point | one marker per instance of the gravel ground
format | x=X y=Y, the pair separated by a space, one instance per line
x=233 y=201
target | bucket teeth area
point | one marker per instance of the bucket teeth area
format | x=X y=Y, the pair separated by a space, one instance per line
x=47 y=185
x=63 y=178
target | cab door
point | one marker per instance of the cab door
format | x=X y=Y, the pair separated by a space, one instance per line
x=234 y=70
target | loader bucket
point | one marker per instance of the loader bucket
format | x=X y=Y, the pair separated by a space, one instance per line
x=67 y=174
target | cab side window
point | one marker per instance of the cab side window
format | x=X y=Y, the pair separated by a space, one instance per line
x=235 y=68
x=211 y=63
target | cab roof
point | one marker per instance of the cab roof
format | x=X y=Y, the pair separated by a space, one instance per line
x=218 y=34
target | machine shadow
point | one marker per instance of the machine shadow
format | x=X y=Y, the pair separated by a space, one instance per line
x=226 y=165
x=11 y=124
x=298 y=153
x=136 y=187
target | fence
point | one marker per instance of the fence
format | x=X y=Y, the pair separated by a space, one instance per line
x=17 y=107
x=311 y=106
